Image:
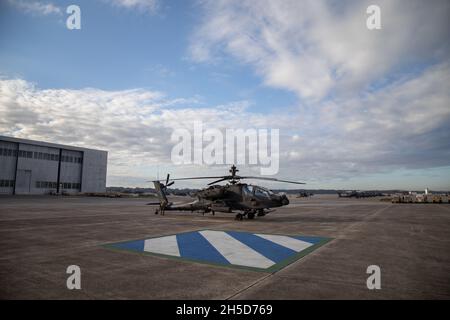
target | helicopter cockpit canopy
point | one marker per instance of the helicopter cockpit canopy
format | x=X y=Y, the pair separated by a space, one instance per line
x=257 y=191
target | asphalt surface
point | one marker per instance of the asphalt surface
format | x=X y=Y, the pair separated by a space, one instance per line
x=40 y=236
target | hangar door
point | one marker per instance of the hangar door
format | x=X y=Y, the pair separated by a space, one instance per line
x=23 y=181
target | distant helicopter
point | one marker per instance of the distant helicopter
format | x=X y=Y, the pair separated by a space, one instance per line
x=249 y=199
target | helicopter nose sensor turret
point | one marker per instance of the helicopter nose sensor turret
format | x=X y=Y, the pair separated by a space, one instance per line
x=284 y=200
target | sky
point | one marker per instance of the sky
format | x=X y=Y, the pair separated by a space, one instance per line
x=355 y=108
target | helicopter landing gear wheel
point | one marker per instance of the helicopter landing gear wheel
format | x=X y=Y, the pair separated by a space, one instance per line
x=239 y=216
x=261 y=213
x=156 y=211
x=251 y=215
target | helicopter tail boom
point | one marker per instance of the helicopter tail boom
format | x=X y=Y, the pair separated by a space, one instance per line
x=159 y=188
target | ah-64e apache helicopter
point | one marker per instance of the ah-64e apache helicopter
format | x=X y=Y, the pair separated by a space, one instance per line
x=249 y=199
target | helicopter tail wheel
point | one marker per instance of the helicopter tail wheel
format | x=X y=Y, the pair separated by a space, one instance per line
x=156 y=211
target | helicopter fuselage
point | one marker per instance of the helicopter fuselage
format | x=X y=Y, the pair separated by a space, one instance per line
x=234 y=196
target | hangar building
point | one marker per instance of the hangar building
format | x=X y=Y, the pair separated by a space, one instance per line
x=34 y=167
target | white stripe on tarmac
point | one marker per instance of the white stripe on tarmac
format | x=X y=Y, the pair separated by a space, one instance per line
x=288 y=242
x=235 y=251
x=165 y=245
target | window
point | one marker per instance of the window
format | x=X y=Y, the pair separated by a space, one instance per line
x=261 y=192
x=45 y=184
x=9 y=152
x=248 y=190
x=6 y=183
x=30 y=154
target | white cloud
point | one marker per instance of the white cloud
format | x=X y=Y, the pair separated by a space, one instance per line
x=36 y=7
x=369 y=101
x=134 y=125
x=315 y=48
x=147 y=6
x=404 y=126
x=47 y=8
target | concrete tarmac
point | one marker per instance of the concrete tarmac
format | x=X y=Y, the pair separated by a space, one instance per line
x=40 y=236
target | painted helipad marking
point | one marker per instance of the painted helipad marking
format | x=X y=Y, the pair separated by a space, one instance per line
x=235 y=251
x=137 y=245
x=312 y=240
x=194 y=246
x=269 y=249
x=260 y=252
x=288 y=242
x=164 y=245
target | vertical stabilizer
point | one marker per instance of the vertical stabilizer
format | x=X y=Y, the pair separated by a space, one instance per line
x=161 y=194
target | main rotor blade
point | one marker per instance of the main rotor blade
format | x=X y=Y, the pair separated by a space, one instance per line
x=196 y=178
x=191 y=178
x=220 y=180
x=271 y=179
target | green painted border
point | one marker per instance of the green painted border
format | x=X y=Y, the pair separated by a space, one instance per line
x=276 y=267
